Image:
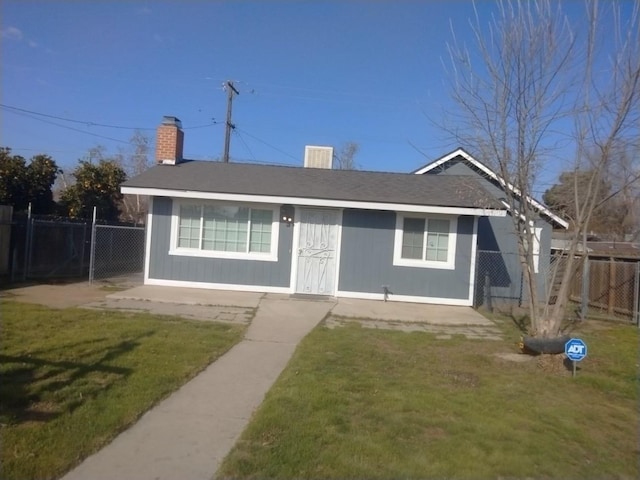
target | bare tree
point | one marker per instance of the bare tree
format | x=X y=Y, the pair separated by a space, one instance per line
x=136 y=161
x=607 y=126
x=531 y=74
x=345 y=158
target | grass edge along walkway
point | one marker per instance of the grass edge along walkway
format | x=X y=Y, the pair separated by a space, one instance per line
x=364 y=403
x=73 y=379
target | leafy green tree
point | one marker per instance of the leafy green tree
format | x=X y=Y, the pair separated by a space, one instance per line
x=41 y=175
x=95 y=185
x=22 y=183
x=13 y=170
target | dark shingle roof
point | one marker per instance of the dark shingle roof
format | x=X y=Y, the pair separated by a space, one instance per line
x=346 y=185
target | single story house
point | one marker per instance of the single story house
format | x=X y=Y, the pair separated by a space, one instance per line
x=498 y=258
x=313 y=230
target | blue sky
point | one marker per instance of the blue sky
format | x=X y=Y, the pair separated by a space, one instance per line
x=309 y=73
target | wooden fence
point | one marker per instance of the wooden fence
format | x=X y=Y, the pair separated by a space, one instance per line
x=612 y=286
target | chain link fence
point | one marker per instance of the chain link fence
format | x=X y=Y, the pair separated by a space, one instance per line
x=46 y=247
x=599 y=288
x=499 y=280
x=6 y=212
x=116 y=250
x=58 y=249
x=38 y=247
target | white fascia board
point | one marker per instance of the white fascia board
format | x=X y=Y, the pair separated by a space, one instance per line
x=314 y=202
x=445 y=159
x=472 y=266
x=147 y=248
x=480 y=166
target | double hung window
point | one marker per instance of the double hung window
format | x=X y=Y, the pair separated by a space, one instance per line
x=423 y=241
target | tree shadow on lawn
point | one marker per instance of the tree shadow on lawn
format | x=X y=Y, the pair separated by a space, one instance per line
x=39 y=390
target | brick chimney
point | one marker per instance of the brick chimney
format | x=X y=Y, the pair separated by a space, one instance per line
x=169 y=141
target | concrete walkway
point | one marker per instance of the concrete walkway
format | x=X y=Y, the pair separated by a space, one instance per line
x=187 y=435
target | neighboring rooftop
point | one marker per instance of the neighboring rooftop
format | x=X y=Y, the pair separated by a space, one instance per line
x=561 y=240
x=298 y=182
x=614 y=249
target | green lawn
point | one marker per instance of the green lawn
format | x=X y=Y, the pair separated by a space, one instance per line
x=72 y=379
x=364 y=403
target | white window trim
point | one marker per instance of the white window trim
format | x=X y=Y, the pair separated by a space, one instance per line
x=450 y=264
x=537 y=235
x=271 y=256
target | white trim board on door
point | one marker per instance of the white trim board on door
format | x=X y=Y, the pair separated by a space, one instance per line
x=316 y=256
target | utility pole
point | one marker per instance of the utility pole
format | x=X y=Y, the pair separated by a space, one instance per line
x=227 y=134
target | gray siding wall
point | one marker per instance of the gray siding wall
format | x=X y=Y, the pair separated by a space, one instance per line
x=213 y=270
x=496 y=234
x=366 y=259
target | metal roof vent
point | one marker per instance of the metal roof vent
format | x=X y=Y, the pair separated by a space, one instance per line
x=318 y=157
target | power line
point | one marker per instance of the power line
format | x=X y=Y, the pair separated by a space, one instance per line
x=82 y=122
x=34 y=116
x=214 y=122
x=94 y=124
x=262 y=162
x=331 y=92
x=268 y=144
x=69 y=128
x=245 y=144
x=386 y=103
x=20 y=149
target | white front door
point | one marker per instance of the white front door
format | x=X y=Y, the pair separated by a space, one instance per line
x=317 y=251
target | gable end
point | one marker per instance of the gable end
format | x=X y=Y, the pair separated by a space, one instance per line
x=462 y=156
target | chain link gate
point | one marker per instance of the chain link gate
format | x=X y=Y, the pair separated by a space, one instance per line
x=116 y=251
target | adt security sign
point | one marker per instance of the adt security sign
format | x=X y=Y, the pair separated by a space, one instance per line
x=575 y=349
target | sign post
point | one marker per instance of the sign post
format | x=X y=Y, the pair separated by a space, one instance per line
x=575 y=350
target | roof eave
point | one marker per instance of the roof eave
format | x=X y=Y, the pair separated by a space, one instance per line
x=315 y=202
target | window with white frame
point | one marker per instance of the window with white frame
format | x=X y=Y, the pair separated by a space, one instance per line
x=425 y=241
x=224 y=230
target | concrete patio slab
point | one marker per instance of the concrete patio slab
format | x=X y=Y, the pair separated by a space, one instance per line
x=189 y=296
x=210 y=313
x=408 y=312
x=65 y=295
